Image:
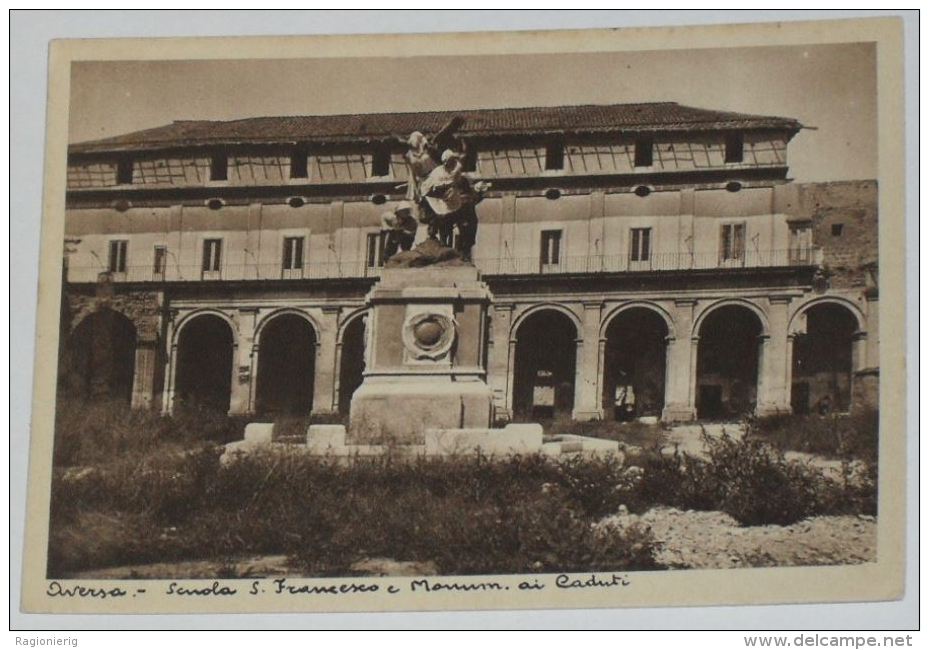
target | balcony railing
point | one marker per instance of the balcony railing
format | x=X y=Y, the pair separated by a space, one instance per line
x=593 y=264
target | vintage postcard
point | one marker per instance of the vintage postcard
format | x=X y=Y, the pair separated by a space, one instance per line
x=471 y=321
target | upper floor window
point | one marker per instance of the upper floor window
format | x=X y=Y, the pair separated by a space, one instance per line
x=116 y=262
x=640 y=244
x=160 y=260
x=212 y=254
x=219 y=167
x=380 y=162
x=735 y=146
x=298 y=163
x=374 y=250
x=801 y=243
x=293 y=253
x=732 y=241
x=551 y=247
x=643 y=151
x=554 y=155
x=124 y=172
x=836 y=230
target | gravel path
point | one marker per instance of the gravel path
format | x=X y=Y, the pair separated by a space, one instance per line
x=714 y=540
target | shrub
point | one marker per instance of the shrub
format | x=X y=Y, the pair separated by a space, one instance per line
x=756 y=485
x=95 y=432
x=836 y=436
x=468 y=515
x=751 y=480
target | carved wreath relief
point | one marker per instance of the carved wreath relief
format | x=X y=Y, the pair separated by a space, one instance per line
x=428 y=335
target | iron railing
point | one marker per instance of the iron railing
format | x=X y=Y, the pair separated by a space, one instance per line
x=580 y=264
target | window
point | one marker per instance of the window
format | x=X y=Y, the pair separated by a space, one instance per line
x=641 y=241
x=732 y=241
x=735 y=146
x=380 y=161
x=212 y=254
x=298 y=163
x=219 y=167
x=117 y=256
x=551 y=247
x=293 y=253
x=374 y=255
x=124 y=172
x=836 y=230
x=160 y=260
x=554 y=155
x=643 y=151
x=801 y=239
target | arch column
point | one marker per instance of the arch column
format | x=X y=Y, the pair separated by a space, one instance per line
x=500 y=361
x=774 y=361
x=325 y=395
x=681 y=367
x=170 y=370
x=143 y=380
x=510 y=374
x=587 y=401
x=240 y=399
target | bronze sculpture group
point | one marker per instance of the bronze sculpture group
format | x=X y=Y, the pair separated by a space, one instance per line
x=438 y=194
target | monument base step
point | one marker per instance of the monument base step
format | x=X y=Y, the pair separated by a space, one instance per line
x=329 y=440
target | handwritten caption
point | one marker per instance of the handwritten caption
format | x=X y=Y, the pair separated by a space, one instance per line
x=292 y=587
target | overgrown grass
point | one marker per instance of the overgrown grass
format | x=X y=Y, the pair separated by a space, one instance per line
x=87 y=433
x=136 y=488
x=833 y=436
x=629 y=433
x=468 y=515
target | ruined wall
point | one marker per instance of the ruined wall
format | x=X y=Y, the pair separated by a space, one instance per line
x=844 y=223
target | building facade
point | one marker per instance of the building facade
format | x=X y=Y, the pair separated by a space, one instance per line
x=645 y=260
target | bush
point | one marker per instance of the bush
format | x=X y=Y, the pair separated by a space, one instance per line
x=751 y=480
x=96 y=432
x=756 y=485
x=836 y=436
x=467 y=515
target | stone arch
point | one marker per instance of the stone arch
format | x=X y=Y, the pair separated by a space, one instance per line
x=835 y=300
x=205 y=343
x=99 y=356
x=259 y=328
x=285 y=363
x=545 y=343
x=636 y=304
x=352 y=344
x=360 y=312
x=823 y=360
x=190 y=316
x=725 y=302
x=93 y=309
x=143 y=308
x=634 y=362
x=730 y=336
x=533 y=309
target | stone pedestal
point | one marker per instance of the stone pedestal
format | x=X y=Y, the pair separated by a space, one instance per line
x=425 y=356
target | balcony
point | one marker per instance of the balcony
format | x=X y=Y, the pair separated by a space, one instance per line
x=506 y=266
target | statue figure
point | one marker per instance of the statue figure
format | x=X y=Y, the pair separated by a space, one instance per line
x=449 y=200
x=399 y=227
x=441 y=196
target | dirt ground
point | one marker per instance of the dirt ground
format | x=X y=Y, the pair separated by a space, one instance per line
x=714 y=540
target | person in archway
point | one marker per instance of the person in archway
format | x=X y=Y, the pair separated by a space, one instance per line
x=399 y=228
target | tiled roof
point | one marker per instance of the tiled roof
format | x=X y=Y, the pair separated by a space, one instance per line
x=579 y=119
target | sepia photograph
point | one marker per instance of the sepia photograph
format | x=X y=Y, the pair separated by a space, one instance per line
x=428 y=317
